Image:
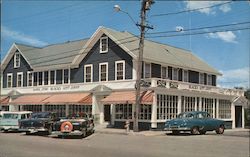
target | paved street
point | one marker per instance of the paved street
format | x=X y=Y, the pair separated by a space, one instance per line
x=114 y=145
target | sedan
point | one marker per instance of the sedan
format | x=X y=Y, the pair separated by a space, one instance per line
x=197 y=122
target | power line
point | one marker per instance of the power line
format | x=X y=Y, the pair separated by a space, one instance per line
x=197 y=33
x=225 y=25
x=190 y=10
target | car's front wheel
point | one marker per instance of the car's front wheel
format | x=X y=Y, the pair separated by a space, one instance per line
x=220 y=130
x=195 y=130
x=175 y=132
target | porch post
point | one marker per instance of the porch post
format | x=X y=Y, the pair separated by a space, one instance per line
x=179 y=105
x=233 y=115
x=97 y=109
x=200 y=104
x=214 y=108
x=154 y=112
x=112 y=114
x=66 y=110
x=243 y=117
x=217 y=108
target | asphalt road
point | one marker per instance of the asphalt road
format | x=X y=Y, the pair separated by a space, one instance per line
x=113 y=145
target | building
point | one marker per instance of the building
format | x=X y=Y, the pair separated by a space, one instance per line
x=97 y=76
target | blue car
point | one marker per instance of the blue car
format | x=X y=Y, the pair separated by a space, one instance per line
x=197 y=122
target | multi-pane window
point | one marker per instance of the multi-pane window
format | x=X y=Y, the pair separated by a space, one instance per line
x=147 y=70
x=40 y=78
x=185 y=75
x=17 y=60
x=76 y=109
x=225 y=109
x=59 y=109
x=88 y=73
x=33 y=108
x=35 y=79
x=104 y=44
x=123 y=111
x=46 y=77
x=201 y=78
x=103 y=71
x=164 y=72
x=19 y=81
x=29 y=78
x=209 y=79
x=145 y=112
x=175 y=74
x=207 y=105
x=9 y=80
x=52 y=77
x=166 y=106
x=120 y=70
x=66 y=76
x=187 y=104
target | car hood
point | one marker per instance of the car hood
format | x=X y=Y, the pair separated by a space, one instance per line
x=176 y=121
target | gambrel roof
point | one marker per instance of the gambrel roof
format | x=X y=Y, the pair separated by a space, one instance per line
x=70 y=54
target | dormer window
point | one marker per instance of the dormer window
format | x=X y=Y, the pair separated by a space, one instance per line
x=17 y=60
x=104 y=45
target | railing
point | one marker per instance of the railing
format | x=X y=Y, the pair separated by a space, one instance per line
x=171 y=84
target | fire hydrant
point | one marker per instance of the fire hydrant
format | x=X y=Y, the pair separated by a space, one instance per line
x=127 y=126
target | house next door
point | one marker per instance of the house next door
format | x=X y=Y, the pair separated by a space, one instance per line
x=238 y=116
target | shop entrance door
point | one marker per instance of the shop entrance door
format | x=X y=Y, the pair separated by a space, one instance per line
x=238 y=116
x=107 y=116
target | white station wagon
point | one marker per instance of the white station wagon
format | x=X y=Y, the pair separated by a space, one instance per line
x=9 y=120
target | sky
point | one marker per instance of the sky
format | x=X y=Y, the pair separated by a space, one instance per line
x=43 y=22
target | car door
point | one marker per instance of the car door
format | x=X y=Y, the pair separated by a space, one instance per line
x=208 y=121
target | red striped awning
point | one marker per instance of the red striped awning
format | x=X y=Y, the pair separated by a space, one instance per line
x=4 y=100
x=31 y=99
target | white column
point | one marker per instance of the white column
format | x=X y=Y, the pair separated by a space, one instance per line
x=112 y=106
x=12 y=107
x=134 y=69
x=217 y=108
x=179 y=105
x=214 y=108
x=97 y=109
x=66 y=110
x=233 y=115
x=196 y=104
x=200 y=103
x=154 y=112
x=43 y=108
x=243 y=117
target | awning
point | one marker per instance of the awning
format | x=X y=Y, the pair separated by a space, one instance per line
x=128 y=97
x=70 y=98
x=31 y=99
x=4 y=100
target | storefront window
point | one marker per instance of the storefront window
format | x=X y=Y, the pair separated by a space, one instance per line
x=166 y=106
x=145 y=112
x=224 y=109
x=123 y=111
x=207 y=105
x=76 y=109
x=187 y=104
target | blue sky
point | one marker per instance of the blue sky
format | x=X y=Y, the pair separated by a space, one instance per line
x=40 y=23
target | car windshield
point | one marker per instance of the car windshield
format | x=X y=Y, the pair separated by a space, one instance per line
x=185 y=115
x=10 y=116
x=78 y=116
x=41 y=115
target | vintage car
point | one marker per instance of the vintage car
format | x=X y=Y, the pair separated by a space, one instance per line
x=77 y=124
x=39 y=122
x=198 y=122
x=9 y=120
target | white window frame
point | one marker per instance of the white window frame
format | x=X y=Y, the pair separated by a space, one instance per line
x=100 y=64
x=117 y=62
x=177 y=70
x=44 y=78
x=183 y=74
x=201 y=82
x=91 y=78
x=54 y=77
x=107 y=47
x=18 y=74
x=63 y=76
x=38 y=80
x=29 y=72
x=144 y=70
x=165 y=71
x=11 y=75
x=15 y=65
x=209 y=82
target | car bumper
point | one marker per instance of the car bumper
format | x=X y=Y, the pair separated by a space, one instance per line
x=72 y=133
x=178 y=129
x=32 y=130
x=9 y=127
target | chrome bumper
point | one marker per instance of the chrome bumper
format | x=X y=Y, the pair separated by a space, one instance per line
x=32 y=130
x=72 y=133
x=177 y=129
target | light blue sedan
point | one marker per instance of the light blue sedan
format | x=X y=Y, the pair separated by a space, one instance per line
x=197 y=122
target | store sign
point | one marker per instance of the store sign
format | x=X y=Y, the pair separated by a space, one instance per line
x=199 y=87
x=57 y=88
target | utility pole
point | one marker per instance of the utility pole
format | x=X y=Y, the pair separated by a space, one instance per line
x=145 y=5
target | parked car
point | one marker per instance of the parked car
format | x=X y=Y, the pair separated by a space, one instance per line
x=198 y=122
x=9 y=120
x=77 y=124
x=39 y=122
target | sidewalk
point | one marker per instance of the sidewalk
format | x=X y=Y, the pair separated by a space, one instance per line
x=103 y=129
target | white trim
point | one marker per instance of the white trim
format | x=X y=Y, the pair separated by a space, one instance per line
x=100 y=64
x=107 y=46
x=29 y=72
x=117 y=62
x=19 y=74
x=69 y=76
x=9 y=74
x=144 y=70
x=15 y=65
x=84 y=75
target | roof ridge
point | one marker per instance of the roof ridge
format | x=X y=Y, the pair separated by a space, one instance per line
x=69 y=41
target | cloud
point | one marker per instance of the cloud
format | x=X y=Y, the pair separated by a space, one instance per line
x=234 y=78
x=228 y=36
x=18 y=36
x=201 y=4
